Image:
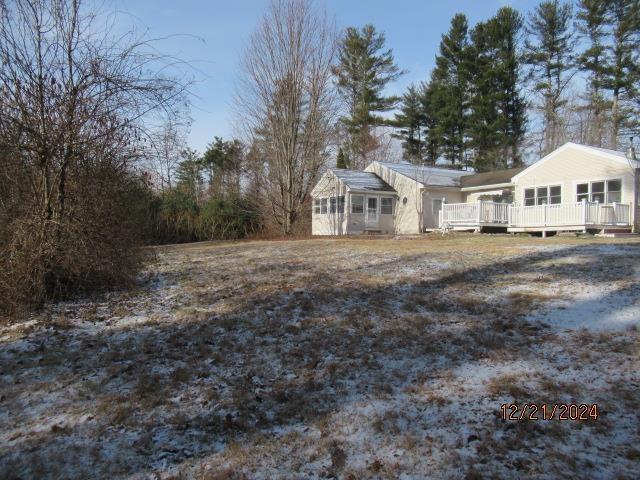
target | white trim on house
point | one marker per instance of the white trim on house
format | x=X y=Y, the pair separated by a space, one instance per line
x=615 y=156
x=484 y=187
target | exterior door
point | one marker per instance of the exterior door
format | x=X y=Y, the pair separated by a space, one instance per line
x=436 y=206
x=371 y=219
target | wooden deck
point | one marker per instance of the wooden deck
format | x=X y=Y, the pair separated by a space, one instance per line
x=581 y=217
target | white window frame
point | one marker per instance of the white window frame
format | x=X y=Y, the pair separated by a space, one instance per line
x=590 y=189
x=316 y=206
x=382 y=199
x=535 y=194
x=353 y=204
x=323 y=206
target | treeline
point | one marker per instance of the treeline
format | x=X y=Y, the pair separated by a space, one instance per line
x=566 y=73
x=204 y=199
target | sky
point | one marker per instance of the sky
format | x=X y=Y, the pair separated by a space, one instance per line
x=211 y=36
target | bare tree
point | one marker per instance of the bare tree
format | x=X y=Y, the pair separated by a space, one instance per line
x=166 y=145
x=287 y=103
x=75 y=102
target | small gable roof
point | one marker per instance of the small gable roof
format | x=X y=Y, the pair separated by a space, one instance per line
x=359 y=180
x=490 y=178
x=441 y=177
x=603 y=152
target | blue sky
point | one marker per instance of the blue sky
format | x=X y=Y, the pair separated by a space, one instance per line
x=211 y=35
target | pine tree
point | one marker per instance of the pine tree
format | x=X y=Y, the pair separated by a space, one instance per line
x=592 y=25
x=449 y=95
x=623 y=72
x=411 y=123
x=364 y=69
x=551 y=59
x=431 y=147
x=341 y=161
x=497 y=107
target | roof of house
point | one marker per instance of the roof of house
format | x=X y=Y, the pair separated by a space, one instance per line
x=490 y=178
x=359 y=180
x=442 y=177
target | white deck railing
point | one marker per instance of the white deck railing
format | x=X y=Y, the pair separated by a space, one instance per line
x=478 y=213
x=518 y=216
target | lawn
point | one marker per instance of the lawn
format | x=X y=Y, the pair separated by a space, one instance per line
x=354 y=358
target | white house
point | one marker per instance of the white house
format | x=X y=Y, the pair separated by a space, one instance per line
x=574 y=188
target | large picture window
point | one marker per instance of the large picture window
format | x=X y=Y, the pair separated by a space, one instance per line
x=548 y=195
x=386 y=206
x=357 y=204
x=601 y=191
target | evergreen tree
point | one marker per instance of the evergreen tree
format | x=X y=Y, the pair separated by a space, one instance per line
x=189 y=174
x=411 y=123
x=497 y=108
x=449 y=92
x=623 y=72
x=364 y=69
x=550 y=55
x=341 y=161
x=431 y=147
x=592 y=25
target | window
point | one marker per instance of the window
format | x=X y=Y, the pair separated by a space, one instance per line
x=386 y=206
x=323 y=205
x=600 y=191
x=614 y=191
x=597 y=192
x=529 y=197
x=357 y=204
x=336 y=204
x=543 y=195
x=555 y=195
x=583 y=192
x=316 y=206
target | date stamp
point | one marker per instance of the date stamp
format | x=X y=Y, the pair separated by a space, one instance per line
x=542 y=411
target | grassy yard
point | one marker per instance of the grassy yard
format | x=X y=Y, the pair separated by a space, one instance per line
x=354 y=358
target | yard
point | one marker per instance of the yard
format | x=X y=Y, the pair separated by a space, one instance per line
x=354 y=358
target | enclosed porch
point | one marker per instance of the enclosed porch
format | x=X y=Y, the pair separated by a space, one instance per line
x=582 y=216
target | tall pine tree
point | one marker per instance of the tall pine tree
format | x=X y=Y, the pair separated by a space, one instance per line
x=411 y=124
x=592 y=25
x=497 y=107
x=449 y=92
x=623 y=72
x=364 y=69
x=550 y=54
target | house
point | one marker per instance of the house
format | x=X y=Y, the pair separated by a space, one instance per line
x=574 y=188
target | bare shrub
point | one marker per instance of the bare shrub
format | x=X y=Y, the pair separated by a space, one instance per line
x=75 y=106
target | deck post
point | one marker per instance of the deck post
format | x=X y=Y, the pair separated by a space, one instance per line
x=584 y=212
x=478 y=214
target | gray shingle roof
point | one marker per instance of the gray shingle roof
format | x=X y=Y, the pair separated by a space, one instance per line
x=359 y=180
x=442 y=177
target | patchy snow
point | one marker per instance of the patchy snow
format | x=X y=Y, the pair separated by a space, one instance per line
x=343 y=359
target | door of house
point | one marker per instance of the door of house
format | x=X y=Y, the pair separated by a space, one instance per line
x=436 y=206
x=371 y=218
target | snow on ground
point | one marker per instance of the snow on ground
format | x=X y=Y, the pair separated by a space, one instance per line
x=357 y=358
